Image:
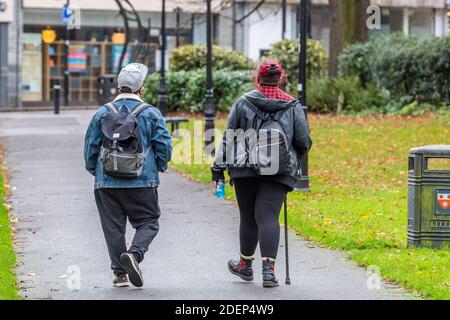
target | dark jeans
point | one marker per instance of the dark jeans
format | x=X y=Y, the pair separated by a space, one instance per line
x=141 y=207
x=259 y=203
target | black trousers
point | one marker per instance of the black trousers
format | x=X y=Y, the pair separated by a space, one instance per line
x=141 y=207
x=260 y=204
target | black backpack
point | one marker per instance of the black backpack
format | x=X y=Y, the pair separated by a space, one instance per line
x=271 y=155
x=122 y=151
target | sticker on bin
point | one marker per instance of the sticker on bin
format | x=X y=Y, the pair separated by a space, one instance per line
x=443 y=201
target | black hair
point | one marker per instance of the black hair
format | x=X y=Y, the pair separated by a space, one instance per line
x=127 y=90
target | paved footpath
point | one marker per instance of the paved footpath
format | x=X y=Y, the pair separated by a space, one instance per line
x=58 y=227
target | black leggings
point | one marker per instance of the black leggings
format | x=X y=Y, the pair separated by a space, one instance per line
x=259 y=203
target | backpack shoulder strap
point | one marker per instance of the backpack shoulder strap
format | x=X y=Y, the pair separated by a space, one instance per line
x=255 y=110
x=111 y=107
x=140 y=108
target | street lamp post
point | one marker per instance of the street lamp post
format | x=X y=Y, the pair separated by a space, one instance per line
x=66 y=60
x=178 y=16
x=283 y=26
x=209 y=106
x=162 y=95
x=303 y=183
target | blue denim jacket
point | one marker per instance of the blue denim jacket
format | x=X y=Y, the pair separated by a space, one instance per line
x=154 y=136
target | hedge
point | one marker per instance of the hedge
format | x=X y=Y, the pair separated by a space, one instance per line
x=186 y=89
x=406 y=66
x=192 y=57
x=345 y=95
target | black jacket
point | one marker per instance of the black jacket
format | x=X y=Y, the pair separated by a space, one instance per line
x=244 y=116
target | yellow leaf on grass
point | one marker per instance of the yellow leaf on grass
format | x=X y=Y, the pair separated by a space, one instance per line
x=364 y=216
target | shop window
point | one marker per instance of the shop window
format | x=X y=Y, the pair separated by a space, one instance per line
x=32 y=63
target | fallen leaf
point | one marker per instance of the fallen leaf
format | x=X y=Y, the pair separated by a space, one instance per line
x=364 y=216
x=63 y=276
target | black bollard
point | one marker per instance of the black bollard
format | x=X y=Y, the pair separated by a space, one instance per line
x=56 y=94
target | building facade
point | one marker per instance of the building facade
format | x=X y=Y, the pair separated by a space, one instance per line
x=262 y=27
x=29 y=68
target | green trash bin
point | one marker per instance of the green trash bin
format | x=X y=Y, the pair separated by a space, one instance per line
x=429 y=197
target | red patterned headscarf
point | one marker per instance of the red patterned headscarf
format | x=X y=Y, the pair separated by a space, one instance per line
x=269 y=73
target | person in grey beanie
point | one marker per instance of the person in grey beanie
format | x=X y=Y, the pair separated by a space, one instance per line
x=127 y=143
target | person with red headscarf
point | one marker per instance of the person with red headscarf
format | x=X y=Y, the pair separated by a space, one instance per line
x=270 y=78
x=260 y=195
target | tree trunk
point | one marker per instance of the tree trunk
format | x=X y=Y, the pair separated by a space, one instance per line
x=361 y=16
x=336 y=35
x=348 y=25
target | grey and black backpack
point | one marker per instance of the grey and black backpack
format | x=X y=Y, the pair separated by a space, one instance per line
x=270 y=151
x=122 y=154
x=273 y=149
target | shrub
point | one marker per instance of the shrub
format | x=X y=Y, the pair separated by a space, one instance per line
x=346 y=95
x=355 y=61
x=287 y=53
x=322 y=95
x=186 y=89
x=186 y=92
x=404 y=65
x=357 y=98
x=176 y=85
x=192 y=57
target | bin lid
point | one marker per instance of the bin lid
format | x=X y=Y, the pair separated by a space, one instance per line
x=434 y=150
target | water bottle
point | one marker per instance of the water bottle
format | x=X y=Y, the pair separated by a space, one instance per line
x=220 y=190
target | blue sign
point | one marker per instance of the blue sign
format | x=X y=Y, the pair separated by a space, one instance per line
x=66 y=13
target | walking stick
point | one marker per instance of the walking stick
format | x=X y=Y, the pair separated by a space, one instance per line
x=288 y=279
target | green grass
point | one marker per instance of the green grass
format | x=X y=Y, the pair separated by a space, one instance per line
x=358 y=203
x=8 y=286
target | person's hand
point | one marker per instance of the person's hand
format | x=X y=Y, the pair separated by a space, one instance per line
x=217 y=175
